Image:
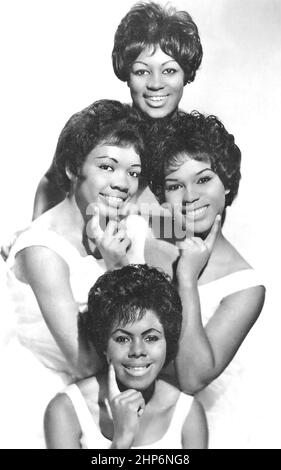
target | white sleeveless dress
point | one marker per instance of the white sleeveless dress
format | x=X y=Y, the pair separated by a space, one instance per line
x=32 y=365
x=92 y=438
x=226 y=400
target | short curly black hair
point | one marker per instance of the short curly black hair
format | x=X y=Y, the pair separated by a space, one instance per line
x=150 y=24
x=123 y=296
x=104 y=121
x=202 y=138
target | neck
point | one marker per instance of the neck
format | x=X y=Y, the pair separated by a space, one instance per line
x=147 y=393
x=78 y=222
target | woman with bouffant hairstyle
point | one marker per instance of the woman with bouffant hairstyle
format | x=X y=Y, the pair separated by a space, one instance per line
x=150 y=24
x=157 y=51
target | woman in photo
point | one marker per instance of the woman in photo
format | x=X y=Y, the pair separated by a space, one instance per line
x=196 y=172
x=134 y=320
x=54 y=262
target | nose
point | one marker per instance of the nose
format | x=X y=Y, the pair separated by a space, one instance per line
x=137 y=348
x=155 y=81
x=191 y=195
x=120 y=181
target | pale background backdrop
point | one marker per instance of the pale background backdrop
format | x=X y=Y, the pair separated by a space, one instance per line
x=56 y=59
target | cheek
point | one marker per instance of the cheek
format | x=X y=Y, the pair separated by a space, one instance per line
x=173 y=197
x=97 y=181
x=135 y=86
x=178 y=86
x=218 y=196
x=160 y=353
x=113 y=353
x=134 y=186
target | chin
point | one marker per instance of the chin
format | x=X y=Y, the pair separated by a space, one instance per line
x=202 y=228
x=138 y=385
x=157 y=113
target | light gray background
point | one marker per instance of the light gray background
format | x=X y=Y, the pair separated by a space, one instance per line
x=56 y=59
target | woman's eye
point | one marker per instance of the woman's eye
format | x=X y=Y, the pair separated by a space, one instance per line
x=204 y=180
x=134 y=174
x=140 y=72
x=151 y=338
x=173 y=187
x=170 y=71
x=106 y=167
x=121 y=339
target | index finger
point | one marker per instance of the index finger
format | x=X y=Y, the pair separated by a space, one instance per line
x=113 y=389
x=210 y=239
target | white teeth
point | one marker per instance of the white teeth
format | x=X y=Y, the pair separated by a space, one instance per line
x=113 y=199
x=196 y=212
x=137 y=368
x=156 y=98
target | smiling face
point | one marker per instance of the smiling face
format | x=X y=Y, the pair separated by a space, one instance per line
x=137 y=351
x=109 y=178
x=156 y=83
x=196 y=193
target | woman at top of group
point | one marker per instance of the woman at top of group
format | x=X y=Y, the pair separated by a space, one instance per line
x=157 y=51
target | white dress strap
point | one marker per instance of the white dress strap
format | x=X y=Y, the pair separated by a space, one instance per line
x=234 y=282
x=182 y=409
x=87 y=423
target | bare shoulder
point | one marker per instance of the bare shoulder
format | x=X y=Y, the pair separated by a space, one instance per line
x=33 y=260
x=60 y=407
x=61 y=424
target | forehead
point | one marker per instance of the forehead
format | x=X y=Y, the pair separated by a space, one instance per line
x=154 y=55
x=185 y=163
x=119 y=153
x=149 y=321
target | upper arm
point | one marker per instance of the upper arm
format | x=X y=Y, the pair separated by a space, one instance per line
x=61 y=425
x=195 y=428
x=231 y=323
x=48 y=275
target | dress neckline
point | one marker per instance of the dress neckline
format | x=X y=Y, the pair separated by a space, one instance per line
x=133 y=447
x=239 y=271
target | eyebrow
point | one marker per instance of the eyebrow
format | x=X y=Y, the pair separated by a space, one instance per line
x=197 y=174
x=144 y=63
x=130 y=334
x=109 y=158
x=116 y=161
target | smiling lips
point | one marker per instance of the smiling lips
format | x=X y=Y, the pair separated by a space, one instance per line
x=156 y=99
x=137 y=370
x=114 y=201
x=195 y=213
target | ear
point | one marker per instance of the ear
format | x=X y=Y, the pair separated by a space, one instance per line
x=70 y=175
x=106 y=357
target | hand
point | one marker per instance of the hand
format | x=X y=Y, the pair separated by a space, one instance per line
x=126 y=409
x=195 y=253
x=113 y=242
